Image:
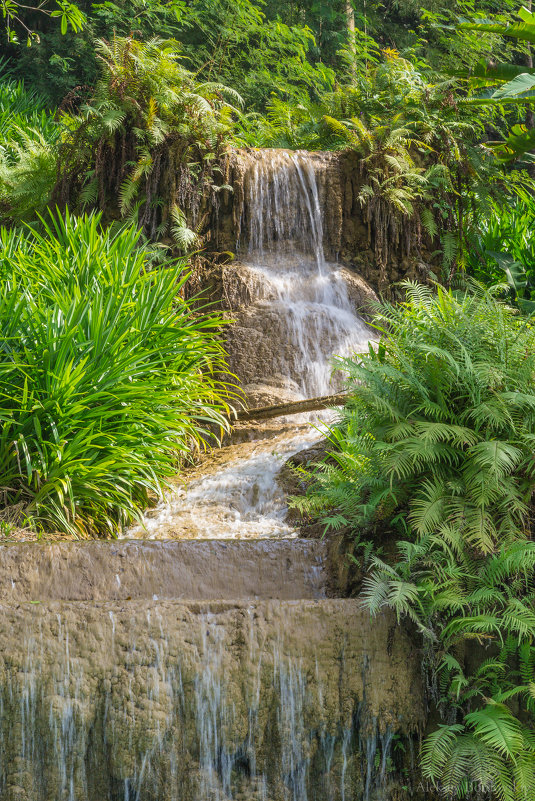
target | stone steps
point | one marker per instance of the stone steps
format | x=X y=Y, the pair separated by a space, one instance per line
x=170 y=700
x=188 y=570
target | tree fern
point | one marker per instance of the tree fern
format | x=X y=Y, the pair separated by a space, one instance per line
x=149 y=117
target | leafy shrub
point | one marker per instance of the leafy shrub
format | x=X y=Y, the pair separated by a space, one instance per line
x=437 y=441
x=28 y=157
x=501 y=245
x=106 y=375
x=441 y=421
x=460 y=601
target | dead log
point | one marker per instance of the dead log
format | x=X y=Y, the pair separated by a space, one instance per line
x=280 y=410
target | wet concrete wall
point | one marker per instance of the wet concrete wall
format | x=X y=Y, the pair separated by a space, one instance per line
x=180 y=569
x=166 y=701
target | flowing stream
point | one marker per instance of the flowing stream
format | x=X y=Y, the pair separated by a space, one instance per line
x=297 y=316
x=208 y=656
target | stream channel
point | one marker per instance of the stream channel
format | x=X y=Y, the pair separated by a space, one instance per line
x=207 y=656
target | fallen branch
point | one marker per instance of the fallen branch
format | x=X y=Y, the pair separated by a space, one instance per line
x=279 y=410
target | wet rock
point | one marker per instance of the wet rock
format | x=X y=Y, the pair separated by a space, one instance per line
x=184 y=569
x=271 y=392
x=361 y=295
x=170 y=701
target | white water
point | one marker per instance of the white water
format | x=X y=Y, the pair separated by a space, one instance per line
x=301 y=316
x=239 y=499
x=301 y=296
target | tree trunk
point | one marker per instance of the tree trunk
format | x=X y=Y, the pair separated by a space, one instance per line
x=350 y=16
x=350 y=23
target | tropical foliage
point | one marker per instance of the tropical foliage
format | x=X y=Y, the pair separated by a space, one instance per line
x=441 y=420
x=149 y=123
x=436 y=444
x=511 y=84
x=463 y=602
x=106 y=376
x=287 y=48
x=15 y=13
x=28 y=136
x=500 y=246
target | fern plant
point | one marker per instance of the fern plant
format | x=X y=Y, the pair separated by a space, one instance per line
x=150 y=130
x=436 y=440
x=459 y=599
x=440 y=423
x=28 y=170
x=29 y=137
x=396 y=192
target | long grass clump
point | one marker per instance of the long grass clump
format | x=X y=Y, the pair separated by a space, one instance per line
x=107 y=376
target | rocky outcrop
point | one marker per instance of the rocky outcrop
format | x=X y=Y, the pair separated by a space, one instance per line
x=349 y=236
x=259 y=341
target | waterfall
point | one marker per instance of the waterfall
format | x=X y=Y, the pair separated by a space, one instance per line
x=296 y=314
x=283 y=208
x=217 y=662
x=300 y=314
x=182 y=701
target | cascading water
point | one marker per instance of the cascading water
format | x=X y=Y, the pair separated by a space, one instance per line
x=300 y=304
x=296 y=316
x=175 y=701
x=202 y=667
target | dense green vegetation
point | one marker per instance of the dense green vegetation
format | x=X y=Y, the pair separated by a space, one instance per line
x=28 y=161
x=435 y=447
x=501 y=247
x=440 y=421
x=288 y=47
x=106 y=376
x=148 y=117
x=114 y=124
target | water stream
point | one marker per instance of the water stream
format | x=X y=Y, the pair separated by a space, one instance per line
x=297 y=317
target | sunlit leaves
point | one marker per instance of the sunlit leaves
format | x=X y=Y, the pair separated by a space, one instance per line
x=106 y=376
